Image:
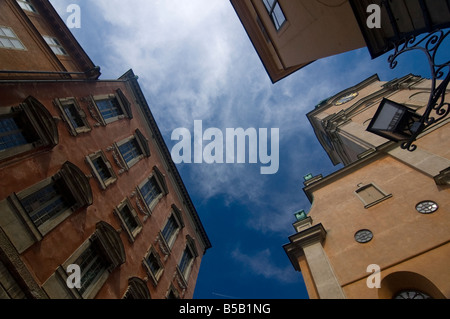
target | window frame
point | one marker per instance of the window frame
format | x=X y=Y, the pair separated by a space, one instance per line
x=27 y=5
x=155 y=277
x=55 y=220
x=150 y=206
x=41 y=122
x=190 y=248
x=9 y=38
x=108 y=246
x=172 y=292
x=178 y=220
x=273 y=17
x=160 y=180
x=101 y=155
x=141 y=141
x=131 y=233
x=137 y=289
x=55 y=45
x=135 y=160
x=122 y=101
x=367 y=204
x=61 y=104
x=23 y=232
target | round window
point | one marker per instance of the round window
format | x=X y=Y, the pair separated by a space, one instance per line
x=411 y=294
x=363 y=236
x=427 y=207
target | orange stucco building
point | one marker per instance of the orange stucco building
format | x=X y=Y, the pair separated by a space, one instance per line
x=86 y=178
x=378 y=227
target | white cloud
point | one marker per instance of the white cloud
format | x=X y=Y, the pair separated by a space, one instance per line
x=195 y=62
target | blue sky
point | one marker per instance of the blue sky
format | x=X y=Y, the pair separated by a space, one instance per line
x=195 y=62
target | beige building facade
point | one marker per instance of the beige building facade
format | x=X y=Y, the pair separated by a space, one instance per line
x=288 y=35
x=379 y=227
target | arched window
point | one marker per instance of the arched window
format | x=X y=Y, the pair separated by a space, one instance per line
x=408 y=285
x=137 y=289
x=96 y=258
x=411 y=294
x=35 y=211
x=26 y=127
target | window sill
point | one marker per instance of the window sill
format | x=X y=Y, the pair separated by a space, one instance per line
x=377 y=201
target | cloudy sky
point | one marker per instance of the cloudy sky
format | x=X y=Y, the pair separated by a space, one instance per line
x=195 y=62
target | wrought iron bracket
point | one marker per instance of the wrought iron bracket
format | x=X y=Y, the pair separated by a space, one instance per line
x=437 y=109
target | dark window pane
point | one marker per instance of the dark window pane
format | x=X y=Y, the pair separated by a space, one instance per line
x=185 y=260
x=48 y=202
x=102 y=168
x=130 y=150
x=109 y=108
x=170 y=228
x=153 y=264
x=150 y=191
x=73 y=116
x=92 y=265
x=128 y=218
x=16 y=130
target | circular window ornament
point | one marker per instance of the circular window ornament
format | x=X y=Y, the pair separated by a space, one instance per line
x=363 y=236
x=411 y=294
x=427 y=207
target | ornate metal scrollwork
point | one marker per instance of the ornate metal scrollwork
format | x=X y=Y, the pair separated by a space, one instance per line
x=437 y=109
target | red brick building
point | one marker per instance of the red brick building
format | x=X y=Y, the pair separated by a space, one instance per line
x=85 y=176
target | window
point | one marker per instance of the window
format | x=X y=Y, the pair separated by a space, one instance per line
x=13 y=131
x=92 y=265
x=9 y=286
x=187 y=259
x=130 y=150
x=137 y=289
x=110 y=107
x=54 y=44
x=32 y=213
x=172 y=227
x=47 y=202
x=9 y=40
x=102 y=169
x=371 y=195
x=51 y=201
x=129 y=219
x=172 y=293
x=97 y=258
x=411 y=294
x=73 y=115
x=153 y=265
x=26 y=5
x=363 y=236
x=133 y=149
x=275 y=12
x=427 y=207
x=151 y=191
x=26 y=127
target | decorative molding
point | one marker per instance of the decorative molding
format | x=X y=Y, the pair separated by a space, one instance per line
x=117 y=159
x=92 y=110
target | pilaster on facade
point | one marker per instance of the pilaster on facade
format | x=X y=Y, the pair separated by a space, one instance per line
x=308 y=242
